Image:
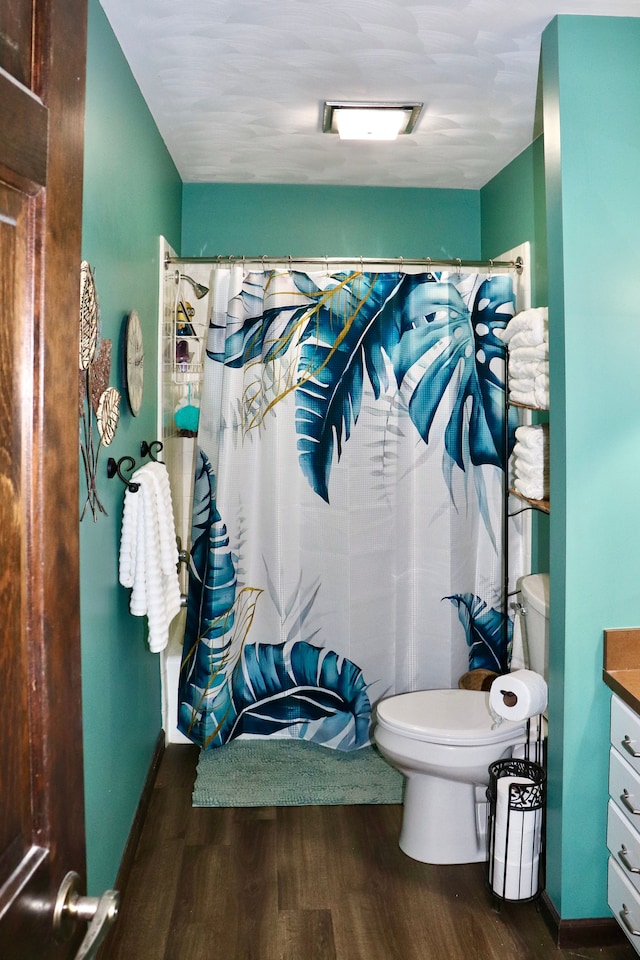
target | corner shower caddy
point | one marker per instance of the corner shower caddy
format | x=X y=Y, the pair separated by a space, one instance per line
x=182 y=353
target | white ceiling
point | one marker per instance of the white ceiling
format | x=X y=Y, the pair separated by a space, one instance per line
x=236 y=86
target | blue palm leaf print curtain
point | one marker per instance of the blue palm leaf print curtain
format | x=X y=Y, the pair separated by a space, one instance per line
x=347 y=518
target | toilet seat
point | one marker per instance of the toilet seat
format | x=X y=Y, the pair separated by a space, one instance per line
x=454 y=717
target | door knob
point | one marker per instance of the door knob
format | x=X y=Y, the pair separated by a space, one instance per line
x=99 y=912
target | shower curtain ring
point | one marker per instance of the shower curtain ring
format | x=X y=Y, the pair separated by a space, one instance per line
x=459 y=262
x=490 y=274
x=401 y=265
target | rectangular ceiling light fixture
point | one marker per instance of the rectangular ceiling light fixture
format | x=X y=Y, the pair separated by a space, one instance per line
x=369 y=121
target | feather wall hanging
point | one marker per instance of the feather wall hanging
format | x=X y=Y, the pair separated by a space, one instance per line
x=99 y=404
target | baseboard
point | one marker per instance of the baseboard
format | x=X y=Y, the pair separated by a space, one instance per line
x=129 y=853
x=574 y=934
x=128 y=856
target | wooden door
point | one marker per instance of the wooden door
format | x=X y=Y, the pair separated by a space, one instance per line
x=42 y=69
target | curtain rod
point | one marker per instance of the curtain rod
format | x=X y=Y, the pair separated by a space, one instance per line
x=516 y=264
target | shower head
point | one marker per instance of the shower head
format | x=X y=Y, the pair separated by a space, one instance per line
x=198 y=288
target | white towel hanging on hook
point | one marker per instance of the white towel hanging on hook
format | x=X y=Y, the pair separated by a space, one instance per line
x=149 y=553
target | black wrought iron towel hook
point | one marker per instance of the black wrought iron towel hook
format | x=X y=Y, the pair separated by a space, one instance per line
x=115 y=467
x=151 y=449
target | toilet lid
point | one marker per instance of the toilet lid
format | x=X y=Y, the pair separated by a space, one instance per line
x=459 y=717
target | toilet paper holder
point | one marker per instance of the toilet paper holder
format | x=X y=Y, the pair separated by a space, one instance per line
x=509 y=698
x=515 y=833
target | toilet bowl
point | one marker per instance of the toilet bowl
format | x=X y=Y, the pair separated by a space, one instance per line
x=443 y=742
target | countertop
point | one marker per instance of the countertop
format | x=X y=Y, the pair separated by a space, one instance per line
x=621 y=667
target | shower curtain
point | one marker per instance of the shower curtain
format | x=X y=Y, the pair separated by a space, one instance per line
x=348 y=499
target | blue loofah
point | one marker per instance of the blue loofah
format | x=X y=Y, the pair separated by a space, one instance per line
x=187 y=418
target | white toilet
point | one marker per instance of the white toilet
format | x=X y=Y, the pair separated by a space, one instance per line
x=443 y=742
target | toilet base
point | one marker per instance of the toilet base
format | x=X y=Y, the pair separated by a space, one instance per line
x=444 y=821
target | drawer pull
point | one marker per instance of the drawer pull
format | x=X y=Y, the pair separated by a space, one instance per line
x=624 y=916
x=628 y=744
x=626 y=800
x=624 y=859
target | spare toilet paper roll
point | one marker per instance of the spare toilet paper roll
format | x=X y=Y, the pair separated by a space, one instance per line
x=515 y=881
x=518 y=695
x=517 y=832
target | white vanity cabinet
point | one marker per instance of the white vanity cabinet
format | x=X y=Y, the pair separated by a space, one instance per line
x=623 y=820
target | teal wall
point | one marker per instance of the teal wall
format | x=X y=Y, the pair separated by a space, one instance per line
x=592 y=158
x=132 y=194
x=513 y=212
x=254 y=219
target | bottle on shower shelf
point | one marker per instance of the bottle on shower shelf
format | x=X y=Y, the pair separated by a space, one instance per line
x=183 y=354
x=184 y=315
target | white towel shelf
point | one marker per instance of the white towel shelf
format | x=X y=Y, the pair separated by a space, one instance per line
x=543 y=506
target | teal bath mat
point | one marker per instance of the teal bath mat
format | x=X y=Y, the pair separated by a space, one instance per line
x=291 y=773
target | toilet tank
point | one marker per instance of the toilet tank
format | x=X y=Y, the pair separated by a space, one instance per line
x=534 y=591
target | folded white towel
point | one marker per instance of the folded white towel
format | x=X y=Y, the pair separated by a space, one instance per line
x=522 y=384
x=527 y=368
x=149 y=553
x=534 y=435
x=530 y=462
x=532 y=489
x=541 y=391
x=535 y=395
x=530 y=455
x=525 y=470
x=538 y=351
x=528 y=338
x=529 y=325
x=527 y=398
x=528 y=377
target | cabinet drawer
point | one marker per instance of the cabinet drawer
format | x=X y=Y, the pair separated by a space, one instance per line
x=624 y=844
x=624 y=787
x=624 y=902
x=625 y=731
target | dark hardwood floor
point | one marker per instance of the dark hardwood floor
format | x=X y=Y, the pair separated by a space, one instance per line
x=307 y=883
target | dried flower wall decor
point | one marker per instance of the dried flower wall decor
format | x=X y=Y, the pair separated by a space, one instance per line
x=99 y=404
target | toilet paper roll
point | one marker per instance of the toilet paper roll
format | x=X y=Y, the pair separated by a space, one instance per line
x=516 y=833
x=507 y=819
x=518 y=695
x=515 y=881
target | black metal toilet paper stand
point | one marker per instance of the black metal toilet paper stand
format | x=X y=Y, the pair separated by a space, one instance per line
x=516 y=798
